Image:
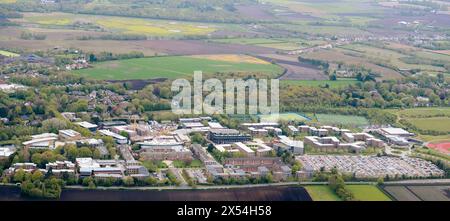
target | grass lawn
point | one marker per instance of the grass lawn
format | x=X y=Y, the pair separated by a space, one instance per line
x=8 y=54
x=335 y=119
x=422 y=112
x=170 y=67
x=316 y=83
x=440 y=124
x=283 y=117
x=322 y=193
x=367 y=193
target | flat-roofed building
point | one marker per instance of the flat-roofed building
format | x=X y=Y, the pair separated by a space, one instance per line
x=203 y=154
x=91 y=167
x=287 y=144
x=224 y=136
x=251 y=164
x=258 y=132
x=293 y=130
x=110 y=124
x=69 y=135
x=59 y=168
x=41 y=141
x=190 y=125
x=118 y=138
x=164 y=148
x=7 y=150
x=391 y=131
x=87 y=125
x=260 y=125
x=215 y=125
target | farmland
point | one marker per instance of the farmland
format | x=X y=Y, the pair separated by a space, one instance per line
x=321 y=193
x=283 y=117
x=367 y=193
x=170 y=67
x=115 y=24
x=276 y=43
x=320 y=83
x=440 y=124
x=419 y=193
x=8 y=54
x=360 y=192
x=334 y=119
x=434 y=119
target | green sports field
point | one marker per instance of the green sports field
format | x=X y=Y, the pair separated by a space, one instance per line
x=170 y=67
x=336 y=119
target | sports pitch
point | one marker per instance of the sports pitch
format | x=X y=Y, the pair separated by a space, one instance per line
x=170 y=67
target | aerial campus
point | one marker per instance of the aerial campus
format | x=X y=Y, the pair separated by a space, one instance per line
x=87 y=94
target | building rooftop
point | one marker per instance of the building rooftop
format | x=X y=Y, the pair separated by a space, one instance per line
x=395 y=131
x=86 y=125
x=69 y=133
x=112 y=134
x=224 y=131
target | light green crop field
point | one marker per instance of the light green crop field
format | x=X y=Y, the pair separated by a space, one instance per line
x=321 y=193
x=124 y=25
x=8 y=54
x=367 y=193
x=441 y=124
x=422 y=112
x=335 y=119
x=170 y=67
x=320 y=83
x=276 y=43
x=394 y=58
x=283 y=117
x=361 y=193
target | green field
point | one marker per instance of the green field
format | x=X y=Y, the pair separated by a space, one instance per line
x=422 y=112
x=441 y=124
x=170 y=67
x=322 y=193
x=282 y=117
x=361 y=193
x=367 y=193
x=8 y=54
x=124 y=25
x=335 y=119
x=316 y=83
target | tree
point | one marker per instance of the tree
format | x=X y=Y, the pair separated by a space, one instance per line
x=84 y=152
x=91 y=185
x=37 y=175
x=19 y=175
x=380 y=181
x=128 y=181
x=152 y=181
